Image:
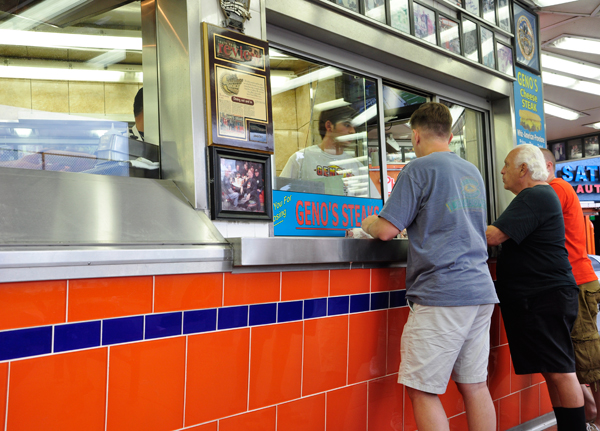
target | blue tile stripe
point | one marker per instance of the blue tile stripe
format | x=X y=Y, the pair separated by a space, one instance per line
x=64 y=337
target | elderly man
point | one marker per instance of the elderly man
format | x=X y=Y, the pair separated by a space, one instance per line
x=440 y=199
x=537 y=291
x=586 y=340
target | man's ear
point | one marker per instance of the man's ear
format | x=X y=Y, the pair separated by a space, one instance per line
x=328 y=125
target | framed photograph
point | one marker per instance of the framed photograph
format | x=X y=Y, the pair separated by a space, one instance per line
x=505 y=59
x=473 y=7
x=400 y=15
x=240 y=184
x=504 y=15
x=591 y=146
x=350 y=4
x=458 y=3
x=449 y=34
x=488 y=55
x=470 y=39
x=526 y=38
x=238 y=82
x=558 y=149
x=424 y=22
x=375 y=9
x=489 y=11
x=574 y=149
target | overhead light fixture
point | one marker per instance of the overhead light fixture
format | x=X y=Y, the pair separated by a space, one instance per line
x=23 y=132
x=317 y=75
x=545 y=3
x=593 y=125
x=41 y=12
x=576 y=43
x=68 y=40
x=57 y=74
x=561 y=112
x=570 y=66
x=572 y=83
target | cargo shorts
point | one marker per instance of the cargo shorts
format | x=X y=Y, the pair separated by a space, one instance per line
x=586 y=340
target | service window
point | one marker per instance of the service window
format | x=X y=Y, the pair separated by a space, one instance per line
x=68 y=83
x=326 y=141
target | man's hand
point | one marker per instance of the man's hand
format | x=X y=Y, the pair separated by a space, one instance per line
x=379 y=228
x=495 y=236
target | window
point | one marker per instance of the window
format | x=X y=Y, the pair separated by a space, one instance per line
x=68 y=84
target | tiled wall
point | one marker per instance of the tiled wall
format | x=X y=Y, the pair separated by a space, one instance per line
x=313 y=350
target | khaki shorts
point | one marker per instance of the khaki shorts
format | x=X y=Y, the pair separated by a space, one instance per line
x=439 y=342
x=586 y=340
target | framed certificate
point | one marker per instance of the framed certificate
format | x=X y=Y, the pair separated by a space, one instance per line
x=504 y=15
x=591 y=146
x=449 y=34
x=470 y=39
x=473 y=7
x=575 y=149
x=505 y=59
x=424 y=22
x=489 y=11
x=400 y=15
x=488 y=55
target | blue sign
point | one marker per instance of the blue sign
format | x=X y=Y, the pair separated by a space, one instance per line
x=583 y=175
x=526 y=38
x=529 y=109
x=307 y=214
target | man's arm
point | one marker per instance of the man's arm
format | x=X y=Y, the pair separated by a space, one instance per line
x=495 y=236
x=379 y=228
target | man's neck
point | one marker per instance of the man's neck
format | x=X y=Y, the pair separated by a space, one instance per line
x=329 y=146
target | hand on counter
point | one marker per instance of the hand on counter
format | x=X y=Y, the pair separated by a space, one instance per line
x=379 y=228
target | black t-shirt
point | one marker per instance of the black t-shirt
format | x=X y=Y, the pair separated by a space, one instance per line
x=534 y=259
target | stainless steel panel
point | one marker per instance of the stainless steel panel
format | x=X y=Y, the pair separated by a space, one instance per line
x=306 y=251
x=150 y=69
x=505 y=139
x=45 y=207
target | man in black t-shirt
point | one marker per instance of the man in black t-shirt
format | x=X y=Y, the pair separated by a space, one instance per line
x=537 y=291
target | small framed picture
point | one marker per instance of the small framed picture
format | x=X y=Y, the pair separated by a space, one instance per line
x=575 y=149
x=470 y=39
x=449 y=34
x=504 y=15
x=424 y=22
x=488 y=55
x=473 y=7
x=591 y=146
x=350 y=4
x=505 y=59
x=375 y=9
x=240 y=184
x=458 y=3
x=400 y=15
x=489 y=11
x=558 y=149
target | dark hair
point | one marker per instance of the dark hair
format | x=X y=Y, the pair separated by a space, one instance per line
x=335 y=116
x=433 y=117
x=138 y=102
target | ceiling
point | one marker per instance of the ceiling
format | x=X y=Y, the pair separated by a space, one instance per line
x=577 y=18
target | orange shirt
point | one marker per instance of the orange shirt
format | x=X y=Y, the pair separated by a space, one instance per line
x=574 y=232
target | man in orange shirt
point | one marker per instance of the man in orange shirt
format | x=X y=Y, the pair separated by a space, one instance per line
x=586 y=340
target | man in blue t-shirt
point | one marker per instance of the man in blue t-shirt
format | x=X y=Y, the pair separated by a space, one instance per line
x=440 y=199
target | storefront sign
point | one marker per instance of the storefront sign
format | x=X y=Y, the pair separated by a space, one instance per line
x=583 y=175
x=237 y=78
x=529 y=109
x=306 y=214
x=526 y=38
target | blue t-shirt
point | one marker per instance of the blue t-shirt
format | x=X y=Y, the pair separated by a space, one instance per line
x=440 y=200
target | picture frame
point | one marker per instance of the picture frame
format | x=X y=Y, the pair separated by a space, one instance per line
x=470 y=32
x=238 y=84
x=376 y=9
x=575 y=149
x=558 y=149
x=472 y=6
x=527 y=50
x=591 y=146
x=400 y=15
x=353 y=5
x=505 y=58
x=488 y=54
x=504 y=13
x=240 y=185
x=489 y=11
x=449 y=34
x=425 y=23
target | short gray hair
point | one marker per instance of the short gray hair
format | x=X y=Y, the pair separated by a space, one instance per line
x=534 y=159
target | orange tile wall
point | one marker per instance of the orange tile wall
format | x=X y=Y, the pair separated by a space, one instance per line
x=328 y=373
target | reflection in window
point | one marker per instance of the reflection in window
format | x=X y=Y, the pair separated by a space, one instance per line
x=67 y=92
x=467 y=130
x=321 y=115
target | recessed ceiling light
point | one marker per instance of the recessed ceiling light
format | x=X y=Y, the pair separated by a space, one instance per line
x=58 y=74
x=69 y=40
x=544 y=3
x=557 y=80
x=561 y=112
x=575 y=43
x=570 y=66
x=593 y=125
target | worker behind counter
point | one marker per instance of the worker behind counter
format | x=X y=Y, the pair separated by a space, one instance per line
x=537 y=291
x=137 y=131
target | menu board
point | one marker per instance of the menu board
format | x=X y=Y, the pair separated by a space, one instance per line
x=529 y=109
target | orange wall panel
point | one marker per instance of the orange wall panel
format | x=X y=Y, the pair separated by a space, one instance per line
x=367 y=346
x=303 y=414
x=206 y=427
x=530 y=403
x=100 y=298
x=509 y=412
x=146 y=385
x=452 y=400
x=297 y=285
x=397 y=318
x=242 y=289
x=259 y=420
x=65 y=392
x=384 y=279
x=458 y=423
x=347 y=408
x=32 y=303
x=187 y=292
x=499 y=369
x=385 y=404
x=3 y=387
x=349 y=281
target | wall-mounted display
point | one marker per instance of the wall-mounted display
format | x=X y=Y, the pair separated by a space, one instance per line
x=591 y=146
x=558 y=149
x=237 y=80
x=424 y=21
x=400 y=15
x=504 y=15
x=472 y=6
x=449 y=34
x=470 y=40
x=350 y=4
x=575 y=149
x=526 y=42
x=488 y=57
x=489 y=11
x=375 y=9
x=240 y=184
x=505 y=59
